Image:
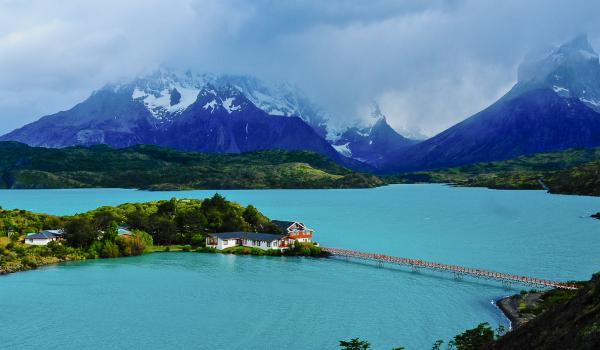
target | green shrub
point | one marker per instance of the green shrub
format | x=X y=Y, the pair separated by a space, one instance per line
x=29 y=261
x=186 y=248
x=109 y=250
x=304 y=249
x=125 y=246
x=273 y=252
x=206 y=250
x=198 y=240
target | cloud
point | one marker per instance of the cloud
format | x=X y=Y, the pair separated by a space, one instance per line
x=428 y=63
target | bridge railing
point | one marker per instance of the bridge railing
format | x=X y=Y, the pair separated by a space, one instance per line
x=460 y=270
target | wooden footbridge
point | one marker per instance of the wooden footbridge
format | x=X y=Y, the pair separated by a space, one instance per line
x=458 y=271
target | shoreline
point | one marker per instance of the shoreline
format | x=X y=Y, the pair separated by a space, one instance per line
x=519 y=308
x=499 y=304
x=161 y=249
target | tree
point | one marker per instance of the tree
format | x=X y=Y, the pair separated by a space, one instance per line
x=500 y=331
x=111 y=233
x=80 y=232
x=355 y=344
x=109 y=250
x=164 y=230
x=197 y=240
x=252 y=216
x=168 y=207
x=103 y=218
x=437 y=345
x=137 y=219
x=478 y=338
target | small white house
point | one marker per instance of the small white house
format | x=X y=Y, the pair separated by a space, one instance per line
x=247 y=239
x=44 y=237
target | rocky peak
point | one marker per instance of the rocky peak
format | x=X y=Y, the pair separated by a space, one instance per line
x=226 y=98
x=574 y=55
x=579 y=47
x=571 y=70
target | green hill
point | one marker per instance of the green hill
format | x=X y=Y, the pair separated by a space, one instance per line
x=566 y=320
x=575 y=171
x=155 y=168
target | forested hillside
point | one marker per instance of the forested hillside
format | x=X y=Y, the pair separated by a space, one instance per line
x=575 y=171
x=155 y=168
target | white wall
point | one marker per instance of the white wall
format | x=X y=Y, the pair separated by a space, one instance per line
x=37 y=241
x=228 y=243
x=262 y=244
x=248 y=243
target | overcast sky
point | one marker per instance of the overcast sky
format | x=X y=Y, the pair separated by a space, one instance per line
x=428 y=64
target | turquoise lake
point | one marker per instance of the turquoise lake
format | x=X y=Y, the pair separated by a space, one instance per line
x=213 y=301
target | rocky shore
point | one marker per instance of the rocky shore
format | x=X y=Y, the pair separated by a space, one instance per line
x=520 y=308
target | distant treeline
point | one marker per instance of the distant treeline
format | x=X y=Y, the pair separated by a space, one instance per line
x=155 y=168
x=575 y=171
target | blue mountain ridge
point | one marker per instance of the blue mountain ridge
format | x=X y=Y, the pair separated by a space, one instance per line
x=554 y=106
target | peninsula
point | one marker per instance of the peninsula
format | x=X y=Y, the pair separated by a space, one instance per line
x=29 y=240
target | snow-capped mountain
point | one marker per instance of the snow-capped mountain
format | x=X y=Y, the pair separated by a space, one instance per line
x=553 y=106
x=148 y=108
x=167 y=93
x=161 y=111
x=371 y=140
x=570 y=70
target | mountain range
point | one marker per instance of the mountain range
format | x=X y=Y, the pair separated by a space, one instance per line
x=554 y=105
x=198 y=112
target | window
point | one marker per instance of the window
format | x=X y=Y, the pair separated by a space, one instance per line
x=268 y=244
x=275 y=244
x=225 y=242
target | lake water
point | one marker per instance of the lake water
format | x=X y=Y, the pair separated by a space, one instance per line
x=211 y=301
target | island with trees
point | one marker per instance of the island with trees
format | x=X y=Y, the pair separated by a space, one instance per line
x=165 y=225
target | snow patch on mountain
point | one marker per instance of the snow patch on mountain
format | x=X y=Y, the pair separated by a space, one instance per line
x=594 y=103
x=560 y=90
x=343 y=149
x=229 y=106
x=212 y=105
x=159 y=104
